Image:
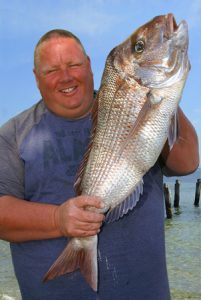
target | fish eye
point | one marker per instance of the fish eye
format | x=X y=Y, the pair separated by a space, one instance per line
x=139 y=46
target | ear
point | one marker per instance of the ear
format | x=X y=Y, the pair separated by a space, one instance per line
x=88 y=58
x=89 y=61
x=36 y=77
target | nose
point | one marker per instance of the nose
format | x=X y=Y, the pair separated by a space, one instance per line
x=65 y=75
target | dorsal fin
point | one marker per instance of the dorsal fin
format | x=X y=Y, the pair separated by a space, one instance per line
x=128 y=204
x=80 y=173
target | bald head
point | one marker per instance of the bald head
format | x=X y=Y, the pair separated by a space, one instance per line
x=55 y=33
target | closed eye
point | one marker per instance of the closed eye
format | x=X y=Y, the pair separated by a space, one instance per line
x=52 y=70
x=49 y=71
x=75 y=65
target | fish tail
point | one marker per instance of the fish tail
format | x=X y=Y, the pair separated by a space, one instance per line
x=75 y=257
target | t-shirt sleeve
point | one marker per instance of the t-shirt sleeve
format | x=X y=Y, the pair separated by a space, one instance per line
x=11 y=166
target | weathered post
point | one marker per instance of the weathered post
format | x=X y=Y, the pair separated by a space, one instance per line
x=176 y=194
x=167 y=201
x=197 y=192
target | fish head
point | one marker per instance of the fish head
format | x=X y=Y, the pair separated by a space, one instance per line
x=156 y=54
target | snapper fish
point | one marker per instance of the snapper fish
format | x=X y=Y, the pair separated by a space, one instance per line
x=134 y=114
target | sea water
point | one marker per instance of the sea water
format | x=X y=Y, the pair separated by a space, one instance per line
x=8 y=283
x=183 y=241
x=183 y=247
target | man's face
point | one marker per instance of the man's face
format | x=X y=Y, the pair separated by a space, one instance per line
x=64 y=77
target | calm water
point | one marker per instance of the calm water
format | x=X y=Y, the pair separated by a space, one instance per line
x=183 y=244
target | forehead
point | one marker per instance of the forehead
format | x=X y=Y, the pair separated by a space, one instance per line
x=60 y=46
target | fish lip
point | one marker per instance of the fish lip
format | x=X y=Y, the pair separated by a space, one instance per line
x=171 y=23
x=178 y=34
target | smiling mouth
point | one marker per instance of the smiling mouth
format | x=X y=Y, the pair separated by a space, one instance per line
x=68 y=90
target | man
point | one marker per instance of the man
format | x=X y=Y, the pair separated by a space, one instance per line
x=40 y=151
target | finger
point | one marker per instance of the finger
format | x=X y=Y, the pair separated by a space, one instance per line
x=84 y=229
x=88 y=226
x=86 y=233
x=84 y=201
x=90 y=217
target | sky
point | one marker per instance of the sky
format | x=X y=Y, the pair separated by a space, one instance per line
x=101 y=25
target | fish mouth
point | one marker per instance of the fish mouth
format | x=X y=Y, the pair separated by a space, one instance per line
x=171 y=23
x=179 y=34
x=172 y=63
x=169 y=26
x=174 y=31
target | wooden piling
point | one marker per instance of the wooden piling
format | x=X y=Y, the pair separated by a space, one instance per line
x=167 y=201
x=177 y=194
x=197 y=192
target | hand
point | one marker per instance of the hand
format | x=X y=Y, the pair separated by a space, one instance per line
x=74 y=220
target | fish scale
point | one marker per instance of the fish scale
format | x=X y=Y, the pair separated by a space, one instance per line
x=133 y=116
x=112 y=140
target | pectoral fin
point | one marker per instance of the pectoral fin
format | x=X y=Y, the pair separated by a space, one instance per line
x=128 y=204
x=173 y=131
x=140 y=119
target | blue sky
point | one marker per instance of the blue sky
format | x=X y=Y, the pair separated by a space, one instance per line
x=101 y=25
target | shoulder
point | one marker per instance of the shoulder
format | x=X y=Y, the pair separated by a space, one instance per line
x=15 y=129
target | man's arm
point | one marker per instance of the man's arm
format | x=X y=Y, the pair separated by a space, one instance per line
x=22 y=220
x=183 y=158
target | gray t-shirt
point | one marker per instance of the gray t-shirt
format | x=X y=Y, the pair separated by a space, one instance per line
x=39 y=157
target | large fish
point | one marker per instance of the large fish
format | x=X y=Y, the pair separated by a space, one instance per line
x=134 y=115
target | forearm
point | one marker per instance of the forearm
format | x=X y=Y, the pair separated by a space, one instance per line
x=22 y=220
x=183 y=158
